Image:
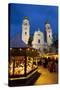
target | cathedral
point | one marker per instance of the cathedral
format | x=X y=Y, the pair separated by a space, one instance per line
x=39 y=41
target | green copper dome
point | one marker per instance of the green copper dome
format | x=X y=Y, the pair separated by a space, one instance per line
x=47 y=22
x=25 y=17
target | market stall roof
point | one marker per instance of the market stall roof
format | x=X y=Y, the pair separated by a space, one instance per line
x=17 y=42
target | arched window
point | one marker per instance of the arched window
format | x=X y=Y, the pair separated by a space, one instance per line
x=38 y=34
x=25 y=33
x=38 y=40
x=48 y=27
x=25 y=23
x=49 y=35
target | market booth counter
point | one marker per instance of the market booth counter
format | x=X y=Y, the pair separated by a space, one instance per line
x=22 y=66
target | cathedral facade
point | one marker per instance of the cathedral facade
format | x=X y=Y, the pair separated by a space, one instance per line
x=38 y=37
x=38 y=40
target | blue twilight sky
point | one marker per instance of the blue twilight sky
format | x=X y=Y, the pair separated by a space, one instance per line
x=37 y=14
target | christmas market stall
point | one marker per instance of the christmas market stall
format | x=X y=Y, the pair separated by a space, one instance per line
x=22 y=63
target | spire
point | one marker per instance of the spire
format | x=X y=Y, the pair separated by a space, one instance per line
x=25 y=17
x=47 y=22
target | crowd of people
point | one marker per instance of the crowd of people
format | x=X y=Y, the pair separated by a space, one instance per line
x=50 y=63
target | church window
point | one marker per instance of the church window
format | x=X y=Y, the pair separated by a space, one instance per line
x=48 y=27
x=38 y=40
x=38 y=34
x=49 y=35
x=25 y=33
x=25 y=23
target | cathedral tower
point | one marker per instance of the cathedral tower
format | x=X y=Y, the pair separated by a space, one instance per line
x=49 y=38
x=25 y=30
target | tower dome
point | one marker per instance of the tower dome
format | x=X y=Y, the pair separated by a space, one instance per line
x=25 y=17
